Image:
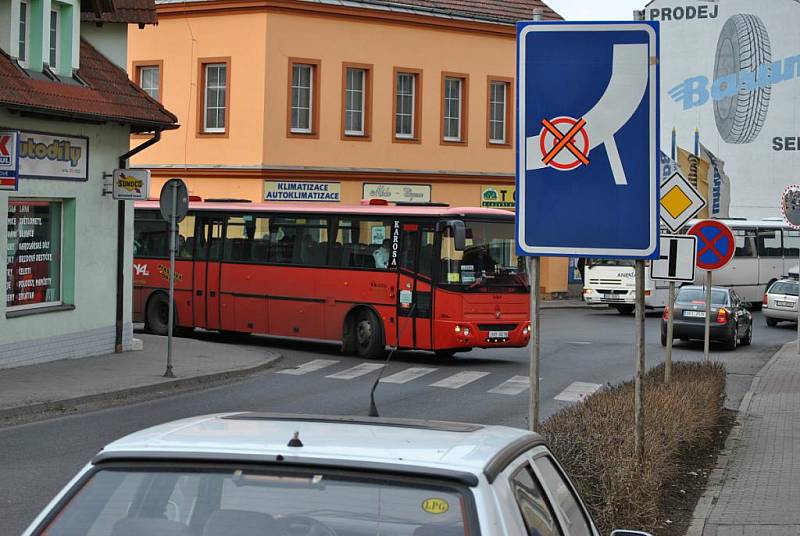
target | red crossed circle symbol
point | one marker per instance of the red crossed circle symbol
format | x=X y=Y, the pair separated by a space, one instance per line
x=560 y=141
x=709 y=233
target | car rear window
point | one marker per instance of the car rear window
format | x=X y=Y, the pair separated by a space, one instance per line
x=784 y=287
x=117 y=502
x=698 y=295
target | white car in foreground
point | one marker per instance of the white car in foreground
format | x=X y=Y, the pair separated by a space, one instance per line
x=243 y=474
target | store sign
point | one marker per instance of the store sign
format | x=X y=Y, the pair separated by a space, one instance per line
x=403 y=193
x=499 y=196
x=52 y=156
x=9 y=160
x=33 y=260
x=330 y=192
x=131 y=184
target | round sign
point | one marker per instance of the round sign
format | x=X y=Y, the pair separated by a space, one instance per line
x=715 y=244
x=790 y=205
x=178 y=188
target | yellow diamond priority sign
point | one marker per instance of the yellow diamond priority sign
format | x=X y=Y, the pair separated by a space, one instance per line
x=679 y=202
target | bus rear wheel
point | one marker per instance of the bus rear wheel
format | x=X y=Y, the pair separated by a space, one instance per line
x=157 y=314
x=369 y=335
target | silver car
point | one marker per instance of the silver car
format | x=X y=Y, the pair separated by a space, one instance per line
x=243 y=474
x=780 y=302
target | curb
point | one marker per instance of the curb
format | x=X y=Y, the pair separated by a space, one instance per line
x=719 y=474
x=73 y=404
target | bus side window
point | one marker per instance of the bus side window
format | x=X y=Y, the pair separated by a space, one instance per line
x=186 y=238
x=745 y=242
x=769 y=243
x=238 y=238
x=150 y=235
x=791 y=243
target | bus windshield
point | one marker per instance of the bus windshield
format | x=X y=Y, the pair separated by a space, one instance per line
x=489 y=257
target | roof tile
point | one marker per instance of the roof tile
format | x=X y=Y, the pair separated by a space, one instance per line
x=126 y=11
x=110 y=95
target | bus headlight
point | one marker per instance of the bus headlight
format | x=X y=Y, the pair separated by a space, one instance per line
x=458 y=328
x=464 y=331
x=526 y=330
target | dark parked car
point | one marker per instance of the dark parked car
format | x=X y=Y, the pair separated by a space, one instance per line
x=731 y=322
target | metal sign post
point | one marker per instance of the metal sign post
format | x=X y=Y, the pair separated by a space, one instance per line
x=707 y=334
x=715 y=247
x=676 y=263
x=639 y=364
x=174 y=204
x=173 y=245
x=790 y=206
x=534 y=276
x=670 y=318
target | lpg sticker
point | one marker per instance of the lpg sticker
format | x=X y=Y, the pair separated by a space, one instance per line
x=435 y=506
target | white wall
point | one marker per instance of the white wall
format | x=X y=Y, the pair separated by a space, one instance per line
x=757 y=170
x=111 y=39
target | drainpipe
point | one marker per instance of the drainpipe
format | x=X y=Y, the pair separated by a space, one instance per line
x=123 y=162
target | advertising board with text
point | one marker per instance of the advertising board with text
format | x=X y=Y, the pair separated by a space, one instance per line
x=53 y=156
x=321 y=192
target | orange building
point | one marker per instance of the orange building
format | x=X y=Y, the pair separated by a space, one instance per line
x=328 y=101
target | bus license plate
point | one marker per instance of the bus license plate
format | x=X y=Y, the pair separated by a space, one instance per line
x=498 y=334
x=695 y=314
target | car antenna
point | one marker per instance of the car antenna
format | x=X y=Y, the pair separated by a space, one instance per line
x=373 y=408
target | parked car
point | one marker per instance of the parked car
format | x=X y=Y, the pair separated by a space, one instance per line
x=780 y=301
x=731 y=322
x=242 y=474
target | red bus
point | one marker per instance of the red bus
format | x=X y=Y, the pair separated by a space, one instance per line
x=369 y=276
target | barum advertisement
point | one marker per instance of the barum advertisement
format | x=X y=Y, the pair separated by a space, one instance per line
x=730 y=79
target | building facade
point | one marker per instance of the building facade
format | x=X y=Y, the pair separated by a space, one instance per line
x=335 y=102
x=67 y=110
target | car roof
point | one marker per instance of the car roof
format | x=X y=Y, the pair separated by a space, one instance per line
x=336 y=441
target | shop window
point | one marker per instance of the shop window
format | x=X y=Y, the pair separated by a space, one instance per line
x=362 y=244
x=33 y=262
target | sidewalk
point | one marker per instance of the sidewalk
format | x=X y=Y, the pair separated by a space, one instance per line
x=755 y=489
x=60 y=386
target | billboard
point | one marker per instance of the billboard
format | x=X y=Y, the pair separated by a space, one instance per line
x=731 y=70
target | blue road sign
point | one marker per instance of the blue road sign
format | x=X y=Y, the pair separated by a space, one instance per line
x=587 y=139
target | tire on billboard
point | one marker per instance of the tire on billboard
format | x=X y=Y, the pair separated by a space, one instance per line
x=743 y=45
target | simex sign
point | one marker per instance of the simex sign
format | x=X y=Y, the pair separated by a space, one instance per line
x=680 y=13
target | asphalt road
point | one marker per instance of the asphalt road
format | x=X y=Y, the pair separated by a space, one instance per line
x=589 y=346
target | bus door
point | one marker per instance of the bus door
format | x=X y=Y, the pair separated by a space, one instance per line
x=770 y=255
x=208 y=249
x=415 y=286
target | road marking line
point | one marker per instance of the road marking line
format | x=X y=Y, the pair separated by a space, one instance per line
x=407 y=375
x=512 y=387
x=355 y=372
x=305 y=368
x=579 y=342
x=577 y=391
x=460 y=379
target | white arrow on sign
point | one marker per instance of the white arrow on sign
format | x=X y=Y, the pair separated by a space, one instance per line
x=677 y=259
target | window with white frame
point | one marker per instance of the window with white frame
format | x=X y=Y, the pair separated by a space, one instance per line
x=216 y=78
x=453 y=88
x=405 y=98
x=54 y=34
x=355 y=98
x=498 y=96
x=150 y=79
x=24 y=23
x=302 y=98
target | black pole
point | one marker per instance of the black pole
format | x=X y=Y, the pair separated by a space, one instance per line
x=123 y=161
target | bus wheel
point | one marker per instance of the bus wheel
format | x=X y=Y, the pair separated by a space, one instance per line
x=369 y=335
x=624 y=309
x=158 y=314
